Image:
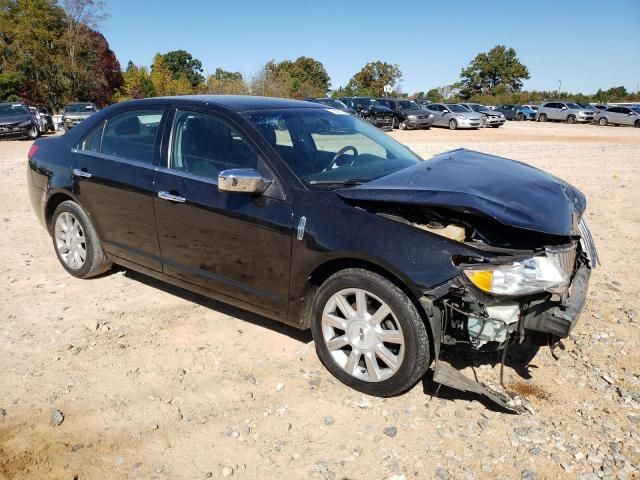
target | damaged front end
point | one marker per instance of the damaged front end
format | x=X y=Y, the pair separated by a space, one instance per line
x=516 y=238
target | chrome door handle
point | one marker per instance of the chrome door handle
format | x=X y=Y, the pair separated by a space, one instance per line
x=81 y=173
x=170 y=197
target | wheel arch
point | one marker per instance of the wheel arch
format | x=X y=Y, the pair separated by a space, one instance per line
x=53 y=200
x=322 y=272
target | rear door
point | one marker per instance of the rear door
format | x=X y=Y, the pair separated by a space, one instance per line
x=235 y=244
x=114 y=169
x=438 y=115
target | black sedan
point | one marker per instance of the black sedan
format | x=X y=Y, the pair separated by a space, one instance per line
x=314 y=218
x=333 y=103
x=16 y=121
x=408 y=114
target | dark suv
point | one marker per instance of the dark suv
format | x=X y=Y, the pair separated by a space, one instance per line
x=313 y=217
x=408 y=114
x=370 y=110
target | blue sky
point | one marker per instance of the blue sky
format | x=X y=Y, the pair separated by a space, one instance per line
x=588 y=44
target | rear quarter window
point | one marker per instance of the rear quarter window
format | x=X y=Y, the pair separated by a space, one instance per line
x=132 y=135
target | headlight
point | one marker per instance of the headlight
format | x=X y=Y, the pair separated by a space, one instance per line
x=26 y=123
x=536 y=274
x=431 y=115
x=411 y=117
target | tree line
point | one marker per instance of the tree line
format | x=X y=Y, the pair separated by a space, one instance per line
x=52 y=52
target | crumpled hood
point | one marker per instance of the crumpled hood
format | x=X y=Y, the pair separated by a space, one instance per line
x=511 y=192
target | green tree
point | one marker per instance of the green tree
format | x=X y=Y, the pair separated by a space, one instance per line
x=373 y=77
x=223 y=82
x=497 y=71
x=181 y=64
x=434 y=95
x=346 y=91
x=136 y=83
x=302 y=77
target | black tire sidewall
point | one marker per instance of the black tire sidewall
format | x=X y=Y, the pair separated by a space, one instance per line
x=453 y=125
x=603 y=122
x=89 y=235
x=417 y=353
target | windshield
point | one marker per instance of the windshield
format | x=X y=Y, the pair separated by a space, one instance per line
x=363 y=102
x=456 y=108
x=12 y=109
x=79 y=107
x=573 y=106
x=479 y=108
x=636 y=109
x=331 y=102
x=408 y=105
x=325 y=146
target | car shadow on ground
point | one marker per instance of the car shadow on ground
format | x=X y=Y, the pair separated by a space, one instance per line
x=303 y=336
x=518 y=357
x=517 y=361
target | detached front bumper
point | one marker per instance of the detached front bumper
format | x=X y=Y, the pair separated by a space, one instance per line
x=422 y=121
x=559 y=318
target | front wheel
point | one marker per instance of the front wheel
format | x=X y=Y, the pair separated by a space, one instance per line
x=571 y=119
x=542 y=117
x=520 y=117
x=603 y=121
x=637 y=124
x=403 y=126
x=76 y=242
x=453 y=125
x=369 y=334
x=33 y=133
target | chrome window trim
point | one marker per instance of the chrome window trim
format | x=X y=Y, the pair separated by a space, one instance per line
x=104 y=156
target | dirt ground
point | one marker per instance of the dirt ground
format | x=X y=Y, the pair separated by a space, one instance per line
x=155 y=382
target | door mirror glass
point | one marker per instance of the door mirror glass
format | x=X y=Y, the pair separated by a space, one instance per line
x=242 y=180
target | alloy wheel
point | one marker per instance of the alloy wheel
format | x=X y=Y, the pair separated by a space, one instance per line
x=453 y=124
x=70 y=240
x=571 y=119
x=603 y=121
x=362 y=335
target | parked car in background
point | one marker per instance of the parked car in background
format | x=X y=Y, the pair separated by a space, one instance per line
x=619 y=116
x=408 y=115
x=44 y=113
x=333 y=103
x=331 y=226
x=532 y=107
x=74 y=113
x=370 y=110
x=41 y=122
x=517 y=112
x=490 y=118
x=17 y=121
x=454 y=116
x=424 y=103
x=565 y=112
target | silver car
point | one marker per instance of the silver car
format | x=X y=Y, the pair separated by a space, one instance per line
x=453 y=116
x=565 y=112
x=490 y=118
x=619 y=116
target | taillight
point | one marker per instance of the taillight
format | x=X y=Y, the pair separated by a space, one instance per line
x=33 y=150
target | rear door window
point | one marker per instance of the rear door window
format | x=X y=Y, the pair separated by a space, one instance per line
x=92 y=142
x=132 y=135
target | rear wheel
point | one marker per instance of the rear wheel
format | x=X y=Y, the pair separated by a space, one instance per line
x=603 y=121
x=403 y=126
x=542 y=117
x=76 y=242
x=395 y=123
x=571 y=119
x=453 y=124
x=369 y=334
x=520 y=117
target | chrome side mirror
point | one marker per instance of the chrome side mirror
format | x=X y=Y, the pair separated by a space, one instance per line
x=242 y=180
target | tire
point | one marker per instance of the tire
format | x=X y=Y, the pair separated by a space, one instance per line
x=637 y=124
x=453 y=125
x=402 y=126
x=542 y=117
x=571 y=119
x=395 y=124
x=95 y=262
x=369 y=373
x=520 y=117
x=603 y=121
x=33 y=133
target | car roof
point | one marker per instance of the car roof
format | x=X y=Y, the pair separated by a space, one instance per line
x=237 y=103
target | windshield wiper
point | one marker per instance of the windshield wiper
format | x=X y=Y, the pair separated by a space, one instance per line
x=346 y=183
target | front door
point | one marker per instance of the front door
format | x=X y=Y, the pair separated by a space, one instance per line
x=235 y=244
x=114 y=170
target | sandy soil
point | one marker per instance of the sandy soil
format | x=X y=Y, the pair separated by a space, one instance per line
x=155 y=382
